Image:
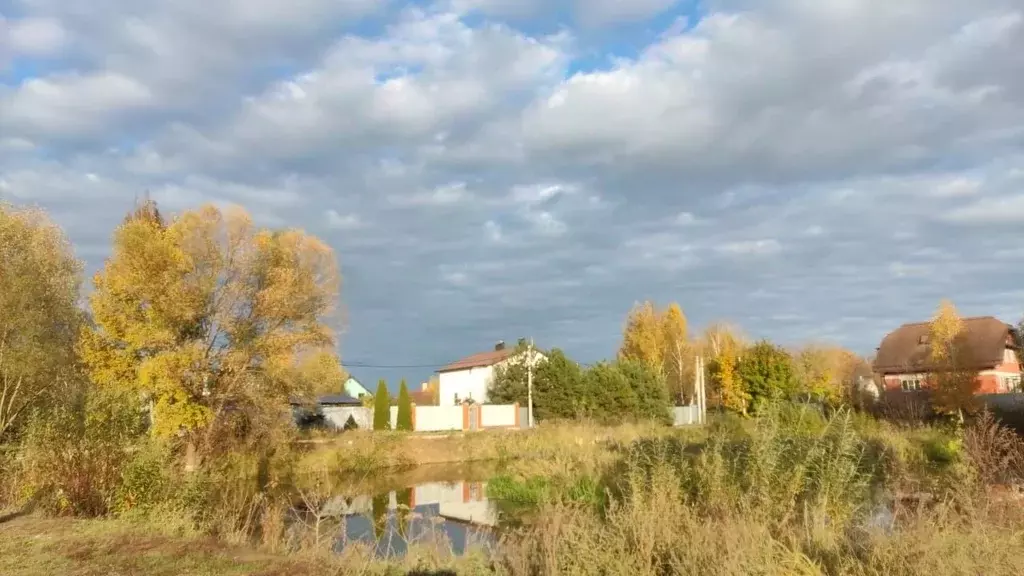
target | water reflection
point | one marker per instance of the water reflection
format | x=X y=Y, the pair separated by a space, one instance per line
x=451 y=515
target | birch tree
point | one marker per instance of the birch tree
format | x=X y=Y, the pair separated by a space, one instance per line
x=953 y=383
x=677 y=355
x=643 y=336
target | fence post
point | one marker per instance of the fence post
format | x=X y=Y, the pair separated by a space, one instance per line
x=412 y=413
x=517 y=414
x=465 y=416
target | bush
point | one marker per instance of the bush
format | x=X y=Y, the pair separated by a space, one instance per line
x=144 y=480
x=72 y=460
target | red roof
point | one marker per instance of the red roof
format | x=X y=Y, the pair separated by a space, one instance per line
x=489 y=358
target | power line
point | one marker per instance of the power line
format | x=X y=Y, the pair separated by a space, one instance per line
x=372 y=365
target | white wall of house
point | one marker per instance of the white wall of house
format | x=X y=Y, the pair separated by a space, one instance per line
x=459 y=385
x=471 y=383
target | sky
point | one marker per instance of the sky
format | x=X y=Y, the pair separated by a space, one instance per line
x=811 y=170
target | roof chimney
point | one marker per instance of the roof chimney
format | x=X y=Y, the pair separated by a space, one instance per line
x=500 y=345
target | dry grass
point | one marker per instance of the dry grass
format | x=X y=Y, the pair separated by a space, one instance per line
x=789 y=493
x=554 y=445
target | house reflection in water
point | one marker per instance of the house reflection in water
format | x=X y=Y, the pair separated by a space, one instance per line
x=455 y=515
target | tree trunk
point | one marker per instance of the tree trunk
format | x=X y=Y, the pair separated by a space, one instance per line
x=191 y=456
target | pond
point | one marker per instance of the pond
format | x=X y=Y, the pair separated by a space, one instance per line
x=444 y=508
x=450 y=515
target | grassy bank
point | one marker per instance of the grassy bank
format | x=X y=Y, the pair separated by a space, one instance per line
x=547 y=449
x=789 y=492
x=35 y=546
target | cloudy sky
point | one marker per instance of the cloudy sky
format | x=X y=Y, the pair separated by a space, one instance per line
x=488 y=169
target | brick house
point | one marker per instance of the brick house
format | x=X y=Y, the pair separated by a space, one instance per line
x=903 y=360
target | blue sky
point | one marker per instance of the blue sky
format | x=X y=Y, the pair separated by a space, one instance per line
x=490 y=169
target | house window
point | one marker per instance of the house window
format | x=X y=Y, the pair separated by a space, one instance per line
x=1011 y=383
x=911 y=383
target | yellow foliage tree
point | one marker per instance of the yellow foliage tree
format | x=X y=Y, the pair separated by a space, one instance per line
x=678 y=363
x=205 y=316
x=731 y=390
x=720 y=336
x=39 y=316
x=660 y=339
x=953 y=382
x=321 y=372
x=826 y=373
x=643 y=336
x=434 y=388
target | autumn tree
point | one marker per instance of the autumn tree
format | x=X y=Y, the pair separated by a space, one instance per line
x=677 y=356
x=404 y=419
x=39 y=317
x=720 y=337
x=827 y=374
x=766 y=372
x=643 y=336
x=731 y=390
x=382 y=407
x=321 y=372
x=205 y=315
x=953 y=382
x=434 y=389
x=721 y=344
x=660 y=338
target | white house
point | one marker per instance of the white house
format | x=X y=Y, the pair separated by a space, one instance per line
x=470 y=377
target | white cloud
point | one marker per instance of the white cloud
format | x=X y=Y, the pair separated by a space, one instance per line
x=737 y=97
x=341 y=221
x=762 y=246
x=493 y=231
x=1004 y=210
x=546 y=223
x=446 y=194
x=33 y=36
x=71 y=104
x=863 y=140
x=685 y=218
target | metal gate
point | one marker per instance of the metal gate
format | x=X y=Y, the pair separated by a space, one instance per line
x=474 y=416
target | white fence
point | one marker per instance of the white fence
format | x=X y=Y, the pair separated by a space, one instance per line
x=438 y=418
x=685 y=415
x=435 y=418
x=499 y=416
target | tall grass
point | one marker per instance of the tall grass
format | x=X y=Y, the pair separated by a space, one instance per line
x=790 y=492
x=783 y=496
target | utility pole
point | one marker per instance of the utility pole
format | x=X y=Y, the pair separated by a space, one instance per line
x=529 y=383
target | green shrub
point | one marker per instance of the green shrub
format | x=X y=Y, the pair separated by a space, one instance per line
x=72 y=460
x=144 y=480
